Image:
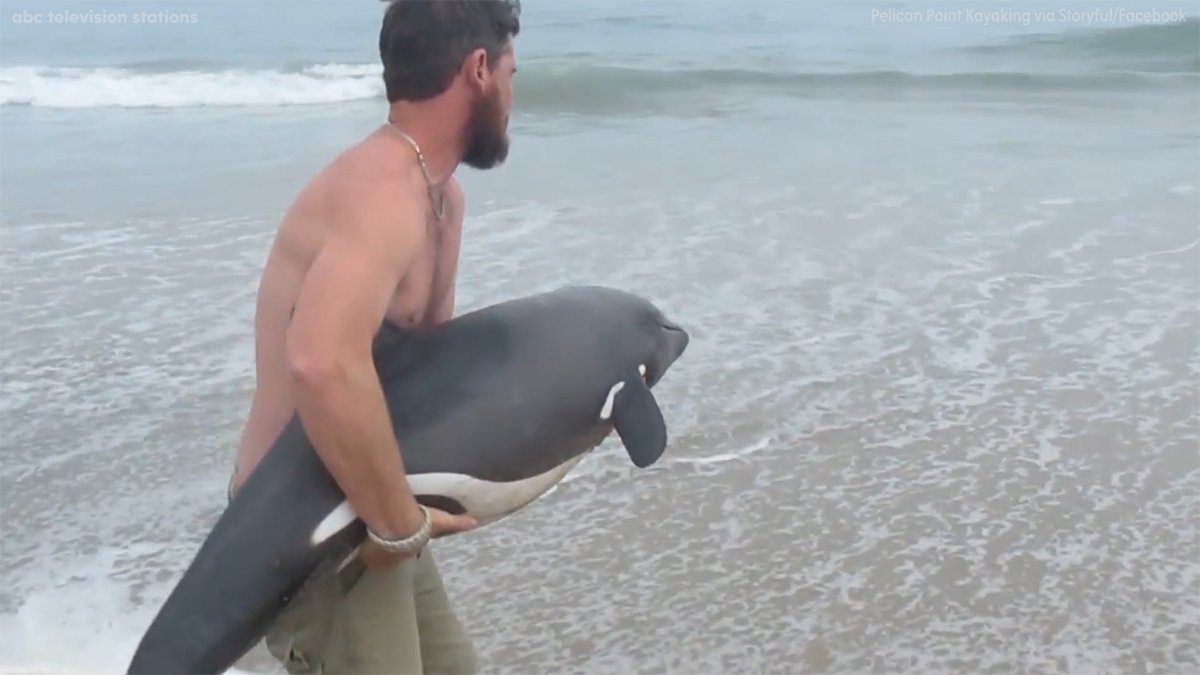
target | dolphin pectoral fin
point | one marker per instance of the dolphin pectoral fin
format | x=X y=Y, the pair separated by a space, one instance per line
x=639 y=422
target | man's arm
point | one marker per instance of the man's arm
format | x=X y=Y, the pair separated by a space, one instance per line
x=444 y=311
x=338 y=396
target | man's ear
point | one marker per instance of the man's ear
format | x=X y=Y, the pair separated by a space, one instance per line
x=477 y=69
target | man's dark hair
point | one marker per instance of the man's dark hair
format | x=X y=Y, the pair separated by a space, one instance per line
x=422 y=43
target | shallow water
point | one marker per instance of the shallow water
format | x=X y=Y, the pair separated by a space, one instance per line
x=939 y=412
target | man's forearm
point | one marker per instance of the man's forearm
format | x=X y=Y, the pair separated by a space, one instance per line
x=346 y=417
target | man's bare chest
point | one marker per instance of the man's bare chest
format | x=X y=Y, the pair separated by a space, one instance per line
x=427 y=280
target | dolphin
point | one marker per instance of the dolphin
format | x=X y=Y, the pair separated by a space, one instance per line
x=490 y=409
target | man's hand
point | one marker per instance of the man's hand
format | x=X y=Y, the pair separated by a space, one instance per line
x=441 y=523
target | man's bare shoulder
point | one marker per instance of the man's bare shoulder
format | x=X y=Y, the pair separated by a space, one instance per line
x=372 y=193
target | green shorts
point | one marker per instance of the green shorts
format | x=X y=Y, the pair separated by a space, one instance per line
x=361 y=620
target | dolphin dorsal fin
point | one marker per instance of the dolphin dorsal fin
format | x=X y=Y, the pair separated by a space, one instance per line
x=638 y=420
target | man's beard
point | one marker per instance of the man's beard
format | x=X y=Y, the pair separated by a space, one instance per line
x=487 y=137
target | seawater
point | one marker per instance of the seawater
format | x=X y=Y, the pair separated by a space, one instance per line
x=939 y=413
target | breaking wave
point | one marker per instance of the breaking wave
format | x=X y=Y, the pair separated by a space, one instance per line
x=1155 y=48
x=1115 y=59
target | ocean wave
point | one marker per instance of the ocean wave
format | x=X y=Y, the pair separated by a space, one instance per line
x=138 y=87
x=543 y=86
x=1162 y=48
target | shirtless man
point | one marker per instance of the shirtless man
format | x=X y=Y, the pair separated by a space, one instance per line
x=374 y=237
